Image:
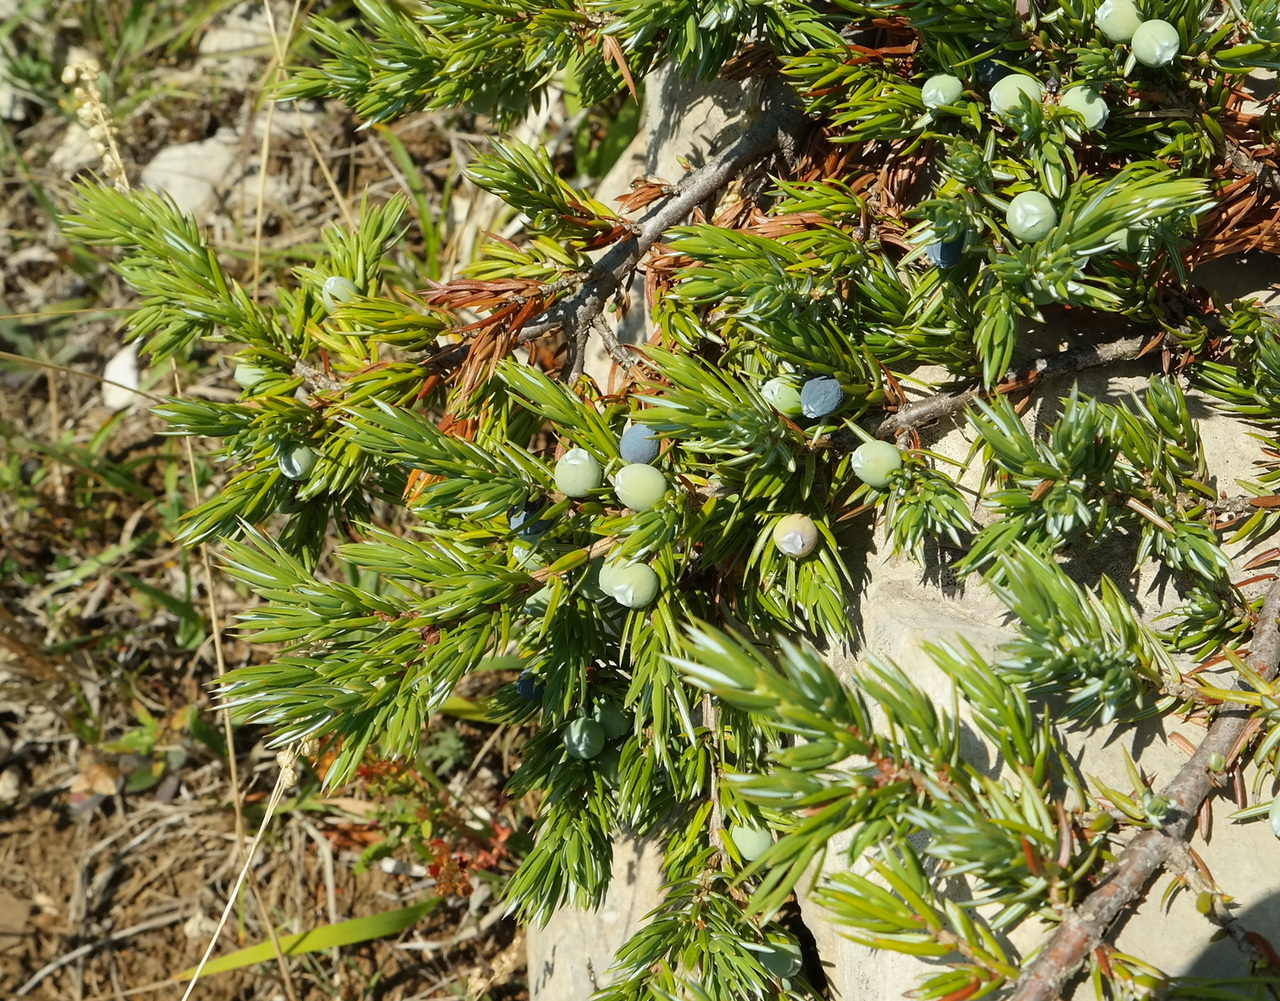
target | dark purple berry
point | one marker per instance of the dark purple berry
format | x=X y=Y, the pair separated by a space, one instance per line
x=945 y=253
x=988 y=71
x=527 y=687
x=524 y=521
x=638 y=444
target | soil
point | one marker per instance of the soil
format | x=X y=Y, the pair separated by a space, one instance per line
x=121 y=830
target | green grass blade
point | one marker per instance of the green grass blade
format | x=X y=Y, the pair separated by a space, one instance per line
x=318 y=939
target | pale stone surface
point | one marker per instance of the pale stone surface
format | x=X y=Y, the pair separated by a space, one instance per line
x=122 y=371
x=569 y=959
x=191 y=173
x=240 y=42
x=900 y=613
x=682 y=126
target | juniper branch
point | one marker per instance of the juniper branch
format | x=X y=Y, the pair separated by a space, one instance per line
x=782 y=126
x=935 y=408
x=1082 y=929
x=779 y=127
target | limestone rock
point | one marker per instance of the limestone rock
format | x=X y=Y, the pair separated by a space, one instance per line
x=191 y=173
x=122 y=372
x=569 y=959
x=75 y=152
x=681 y=126
x=241 y=41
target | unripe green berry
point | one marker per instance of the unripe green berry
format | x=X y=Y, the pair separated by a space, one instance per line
x=1117 y=19
x=941 y=89
x=297 y=462
x=1217 y=762
x=612 y=720
x=1088 y=104
x=1273 y=816
x=1007 y=92
x=632 y=585
x=639 y=486
x=1156 y=43
x=335 y=290
x=795 y=535
x=608 y=763
x=583 y=738
x=577 y=473
x=248 y=374
x=783 y=395
x=781 y=956
x=1031 y=216
x=874 y=461
x=751 y=842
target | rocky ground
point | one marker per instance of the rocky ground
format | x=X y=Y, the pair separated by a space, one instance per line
x=121 y=828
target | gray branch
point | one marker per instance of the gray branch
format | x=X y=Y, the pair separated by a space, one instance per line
x=936 y=408
x=1082 y=930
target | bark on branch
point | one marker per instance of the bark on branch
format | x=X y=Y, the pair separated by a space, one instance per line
x=1083 y=929
x=935 y=408
x=780 y=127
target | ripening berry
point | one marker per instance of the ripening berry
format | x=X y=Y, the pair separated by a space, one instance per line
x=638 y=444
x=1031 y=216
x=941 y=89
x=795 y=535
x=820 y=396
x=945 y=253
x=639 y=486
x=751 y=842
x=297 y=462
x=1088 y=104
x=781 y=394
x=1006 y=94
x=583 y=738
x=1156 y=43
x=612 y=720
x=249 y=375
x=781 y=955
x=335 y=290
x=874 y=461
x=633 y=585
x=1117 y=19
x=577 y=473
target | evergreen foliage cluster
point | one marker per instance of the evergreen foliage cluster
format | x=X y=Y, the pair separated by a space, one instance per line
x=665 y=621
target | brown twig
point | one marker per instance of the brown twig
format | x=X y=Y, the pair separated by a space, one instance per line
x=935 y=408
x=1082 y=929
x=780 y=127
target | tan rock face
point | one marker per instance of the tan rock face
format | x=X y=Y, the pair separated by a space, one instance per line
x=681 y=126
x=192 y=173
x=569 y=959
x=900 y=613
